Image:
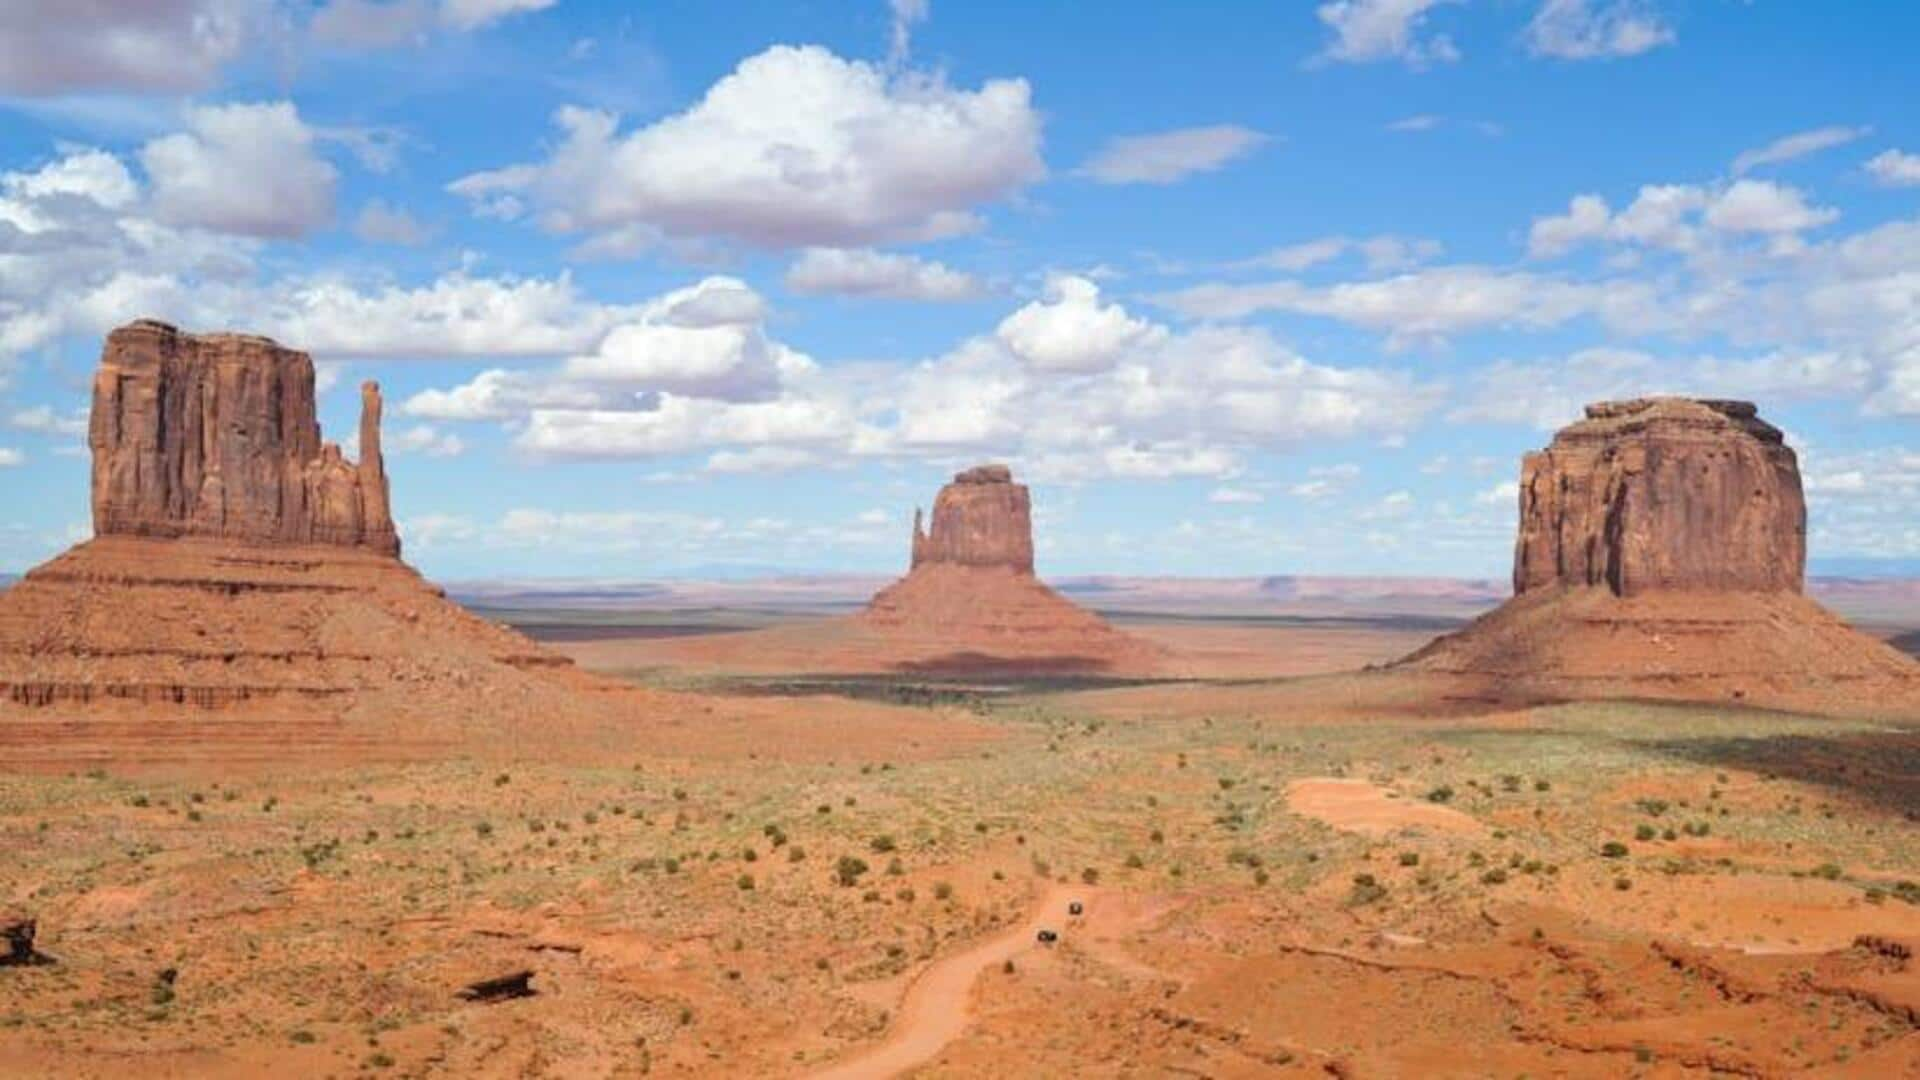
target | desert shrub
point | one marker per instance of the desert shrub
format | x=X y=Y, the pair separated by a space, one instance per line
x=1495 y=876
x=1622 y=884
x=882 y=844
x=895 y=868
x=1134 y=861
x=1090 y=876
x=745 y=881
x=1643 y=833
x=796 y=854
x=1366 y=890
x=1409 y=858
x=942 y=890
x=1651 y=807
x=1613 y=849
x=1441 y=794
x=848 y=868
x=1827 y=872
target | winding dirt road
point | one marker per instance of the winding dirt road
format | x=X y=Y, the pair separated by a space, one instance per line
x=935 y=1009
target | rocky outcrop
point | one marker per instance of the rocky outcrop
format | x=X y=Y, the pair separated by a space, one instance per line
x=215 y=435
x=242 y=563
x=971 y=602
x=983 y=518
x=1661 y=553
x=1663 y=493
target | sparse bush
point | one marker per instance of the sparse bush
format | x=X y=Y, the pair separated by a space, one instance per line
x=848 y=868
x=1090 y=876
x=942 y=891
x=745 y=881
x=1441 y=794
x=882 y=844
x=1495 y=876
x=1827 y=872
x=1613 y=849
x=1134 y=861
x=1643 y=833
x=1365 y=891
x=1409 y=858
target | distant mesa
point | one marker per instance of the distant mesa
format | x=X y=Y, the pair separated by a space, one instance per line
x=1662 y=553
x=970 y=600
x=239 y=558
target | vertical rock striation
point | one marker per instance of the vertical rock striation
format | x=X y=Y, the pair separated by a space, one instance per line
x=983 y=518
x=1661 y=553
x=1663 y=493
x=215 y=435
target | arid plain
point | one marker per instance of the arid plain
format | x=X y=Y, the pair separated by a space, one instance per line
x=273 y=803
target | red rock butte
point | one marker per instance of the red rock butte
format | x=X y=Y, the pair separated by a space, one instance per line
x=1661 y=553
x=239 y=558
x=1663 y=493
x=970 y=600
x=215 y=435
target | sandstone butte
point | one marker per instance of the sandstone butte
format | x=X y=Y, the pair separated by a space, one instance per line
x=1662 y=553
x=971 y=602
x=239 y=558
x=215 y=435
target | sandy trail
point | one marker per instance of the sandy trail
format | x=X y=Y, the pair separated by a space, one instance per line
x=936 y=1007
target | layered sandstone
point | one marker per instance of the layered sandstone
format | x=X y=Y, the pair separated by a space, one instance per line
x=983 y=518
x=1661 y=553
x=970 y=600
x=1663 y=493
x=216 y=435
x=241 y=561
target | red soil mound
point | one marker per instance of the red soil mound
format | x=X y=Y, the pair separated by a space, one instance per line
x=943 y=617
x=1777 y=649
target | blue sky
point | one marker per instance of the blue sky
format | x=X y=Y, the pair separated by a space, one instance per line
x=677 y=288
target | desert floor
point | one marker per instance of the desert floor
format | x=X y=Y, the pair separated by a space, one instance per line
x=1335 y=874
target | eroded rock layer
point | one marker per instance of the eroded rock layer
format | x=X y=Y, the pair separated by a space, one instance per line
x=216 y=435
x=1663 y=493
x=240 y=561
x=970 y=600
x=1661 y=552
x=983 y=518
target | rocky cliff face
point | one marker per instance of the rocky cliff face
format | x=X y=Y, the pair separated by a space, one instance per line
x=215 y=435
x=1663 y=493
x=983 y=518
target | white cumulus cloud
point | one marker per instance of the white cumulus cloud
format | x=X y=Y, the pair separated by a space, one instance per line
x=796 y=147
x=865 y=272
x=248 y=169
x=1071 y=330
